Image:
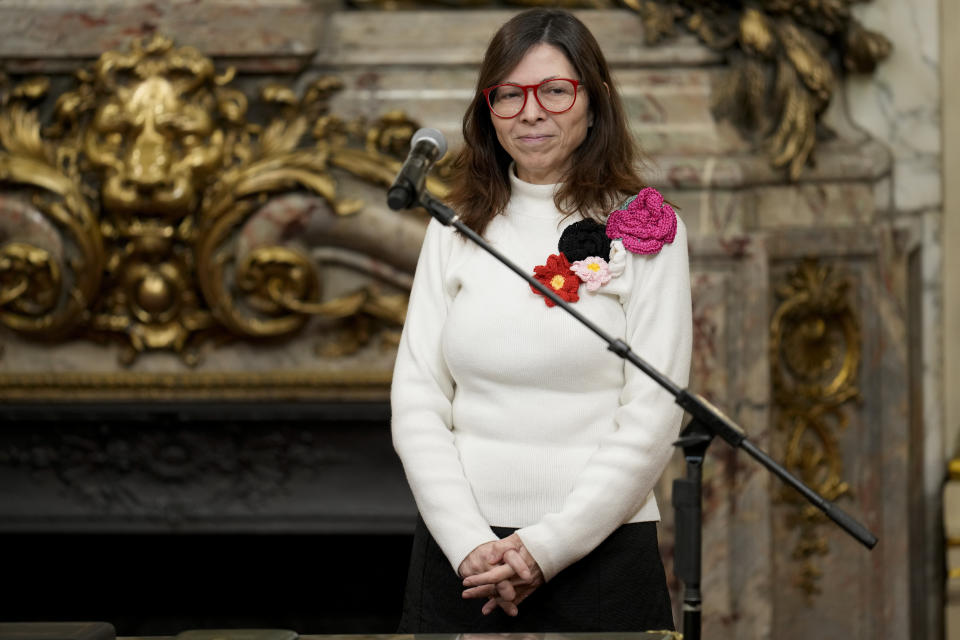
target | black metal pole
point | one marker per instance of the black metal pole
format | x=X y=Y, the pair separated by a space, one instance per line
x=688 y=507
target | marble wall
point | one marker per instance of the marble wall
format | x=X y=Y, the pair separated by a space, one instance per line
x=903 y=106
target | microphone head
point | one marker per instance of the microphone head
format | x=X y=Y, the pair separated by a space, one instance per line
x=430 y=135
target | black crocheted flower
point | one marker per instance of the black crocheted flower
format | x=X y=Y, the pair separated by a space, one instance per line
x=584 y=239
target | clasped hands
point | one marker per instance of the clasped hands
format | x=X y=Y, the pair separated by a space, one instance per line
x=503 y=571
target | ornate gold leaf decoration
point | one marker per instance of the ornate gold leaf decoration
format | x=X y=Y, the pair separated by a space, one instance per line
x=121 y=218
x=815 y=358
x=781 y=78
x=32 y=277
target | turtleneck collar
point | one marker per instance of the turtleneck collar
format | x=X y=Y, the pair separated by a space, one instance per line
x=531 y=199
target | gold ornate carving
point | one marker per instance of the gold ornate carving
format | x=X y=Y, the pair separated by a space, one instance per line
x=141 y=185
x=780 y=79
x=30 y=279
x=815 y=358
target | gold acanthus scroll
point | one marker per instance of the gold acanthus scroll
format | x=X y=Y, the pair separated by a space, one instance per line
x=121 y=218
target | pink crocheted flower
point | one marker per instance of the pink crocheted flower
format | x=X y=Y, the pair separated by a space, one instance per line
x=594 y=271
x=645 y=225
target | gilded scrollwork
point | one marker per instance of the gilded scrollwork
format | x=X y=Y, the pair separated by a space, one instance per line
x=815 y=359
x=57 y=290
x=147 y=174
x=781 y=77
x=29 y=279
x=386 y=137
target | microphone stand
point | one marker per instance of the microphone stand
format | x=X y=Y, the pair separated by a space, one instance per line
x=707 y=422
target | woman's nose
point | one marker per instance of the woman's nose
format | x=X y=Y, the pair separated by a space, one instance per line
x=532 y=111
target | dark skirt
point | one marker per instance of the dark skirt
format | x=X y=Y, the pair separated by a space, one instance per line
x=620 y=586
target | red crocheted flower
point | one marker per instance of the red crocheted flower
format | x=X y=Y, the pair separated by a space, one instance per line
x=645 y=225
x=556 y=275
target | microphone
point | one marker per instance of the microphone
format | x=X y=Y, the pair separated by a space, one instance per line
x=426 y=147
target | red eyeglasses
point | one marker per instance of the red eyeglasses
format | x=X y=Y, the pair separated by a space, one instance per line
x=508 y=100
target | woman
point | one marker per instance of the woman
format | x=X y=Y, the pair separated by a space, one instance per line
x=531 y=450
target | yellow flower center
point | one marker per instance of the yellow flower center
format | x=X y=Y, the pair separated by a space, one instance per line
x=557 y=282
x=593 y=266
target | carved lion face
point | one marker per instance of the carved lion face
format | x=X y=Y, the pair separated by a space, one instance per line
x=156 y=147
x=156 y=131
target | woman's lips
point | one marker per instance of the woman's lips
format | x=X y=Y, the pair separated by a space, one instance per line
x=534 y=138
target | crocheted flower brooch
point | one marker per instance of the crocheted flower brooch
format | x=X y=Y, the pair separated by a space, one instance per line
x=592 y=253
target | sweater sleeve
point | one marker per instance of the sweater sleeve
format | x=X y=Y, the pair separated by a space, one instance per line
x=420 y=398
x=619 y=476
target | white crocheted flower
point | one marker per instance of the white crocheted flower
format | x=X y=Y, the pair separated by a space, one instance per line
x=618 y=258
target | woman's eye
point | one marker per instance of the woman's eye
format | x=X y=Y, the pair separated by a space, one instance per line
x=557 y=89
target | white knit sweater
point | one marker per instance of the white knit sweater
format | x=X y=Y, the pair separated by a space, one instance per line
x=509 y=413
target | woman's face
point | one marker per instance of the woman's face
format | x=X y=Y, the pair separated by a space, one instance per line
x=542 y=143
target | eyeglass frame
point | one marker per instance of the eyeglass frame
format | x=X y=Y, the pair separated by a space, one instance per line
x=525 y=88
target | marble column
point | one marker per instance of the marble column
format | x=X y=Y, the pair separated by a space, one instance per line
x=950 y=68
x=901 y=106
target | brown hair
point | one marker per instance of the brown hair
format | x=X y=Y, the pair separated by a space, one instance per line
x=603 y=169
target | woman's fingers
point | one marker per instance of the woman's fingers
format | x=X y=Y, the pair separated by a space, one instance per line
x=505 y=590
x=513 y=558
x=491 y=605
x=507 y=599
x=481 y=558
x=493 y=576
x=504 y=585
x=483 y=591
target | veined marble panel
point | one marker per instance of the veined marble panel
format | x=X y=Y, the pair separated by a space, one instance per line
x=863 y=594
x=814 y=204
x=41 y=36
x=730 y=292
x=900 y=106
x=442 y=37
x=900 y=103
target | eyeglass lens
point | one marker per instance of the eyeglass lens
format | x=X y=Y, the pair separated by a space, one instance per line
x=553 y=95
